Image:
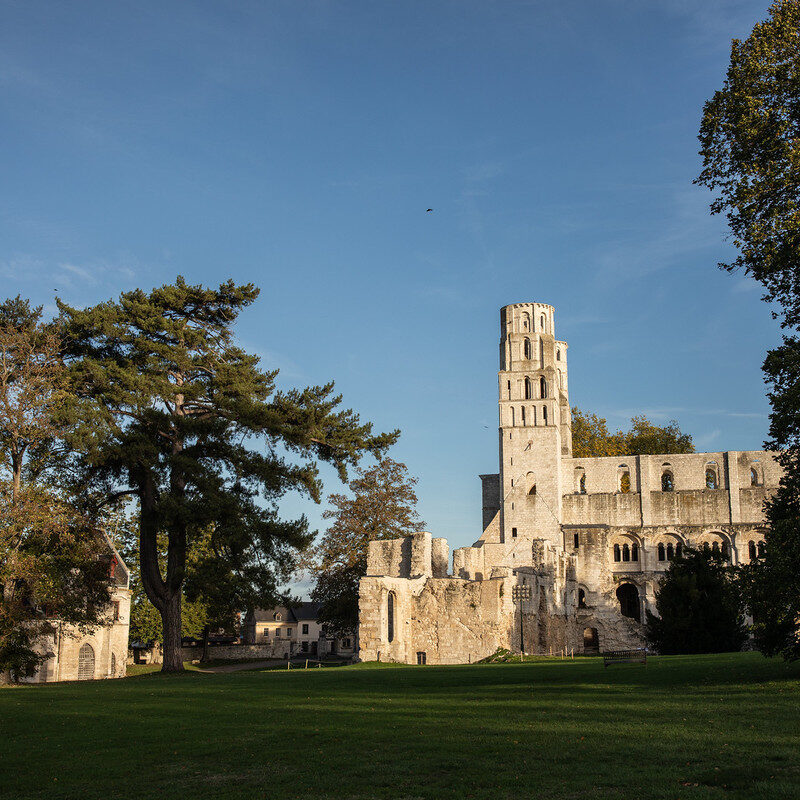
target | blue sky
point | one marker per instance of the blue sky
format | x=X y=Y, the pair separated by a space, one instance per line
x=298 y=145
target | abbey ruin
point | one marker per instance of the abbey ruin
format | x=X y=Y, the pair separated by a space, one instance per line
x=572 y=549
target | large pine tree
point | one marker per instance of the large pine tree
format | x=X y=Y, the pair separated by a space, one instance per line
x=184 y=421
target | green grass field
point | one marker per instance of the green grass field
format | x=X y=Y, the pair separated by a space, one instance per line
x=725 y=726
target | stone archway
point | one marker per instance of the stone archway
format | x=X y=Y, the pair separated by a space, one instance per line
x=629 y=605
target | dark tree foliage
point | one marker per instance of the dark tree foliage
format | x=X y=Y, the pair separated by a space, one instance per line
x=750 y=143
x=382 y=505
x=178 y=417
x=699 y=607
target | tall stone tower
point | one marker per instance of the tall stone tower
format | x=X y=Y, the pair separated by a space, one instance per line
x=535 y=432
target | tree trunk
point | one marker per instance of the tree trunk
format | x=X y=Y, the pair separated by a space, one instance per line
x=171 y=620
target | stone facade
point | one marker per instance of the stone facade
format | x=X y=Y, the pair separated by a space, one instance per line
x=101 y=652
x=572 y=548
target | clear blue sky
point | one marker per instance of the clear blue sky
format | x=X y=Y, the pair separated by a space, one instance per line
x=297 y=146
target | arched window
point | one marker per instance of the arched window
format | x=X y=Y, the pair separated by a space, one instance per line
x=715 y=547
x=751 y=550
x=626 y=553
x=512 y=417
x=762 y=549
x=670 y=551
x=541 y=352
x=678 y=550
x=711 y=478
x=667 y=481
x=527 y=388
x=628 y=596
x=582 y=484
x=706 y=548
x=527 y=348
x=616 y=552
x=726 y=551
x=509 y=389
x=531 y=482
x=390 y=600
x=581 y=598
x=661 y=556
x=543 y=388
x=754 y=481
x=625 y=482
x=522 y=409
x=86 y=662
x=544 y=415
x=558 y=355
x=634 y=552
x=541 y=321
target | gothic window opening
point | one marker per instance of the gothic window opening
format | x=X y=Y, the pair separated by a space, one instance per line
x=422 y=658
x=625 y=482
x=576 y=542
x=541 y=321
x=634 y=552
x=527 y=388
x=712 y=481
x=754 y=481
x=558 y=355
x=86 y=662
x=543 y=387
x=667 y=482
x=751 y=550
x=581 y=598
x=390 y=602
x=512 y=420
x=522 y=410
x=544 y=415
x=715 y=548
x=509 y=389
x=617 y=556
x=527 y=349
x=582 y=484
x=626 y=553
x=678 y=550
x=670 y=552
x=762 y=549
x=706 y=548
x=541 y=352
x=628 y=596
x=661 y=553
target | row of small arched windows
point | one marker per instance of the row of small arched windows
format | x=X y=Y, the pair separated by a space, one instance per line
x=524 y=418
x=670 y=550
x=626 y=552
x=542 y=389
x=667 y=479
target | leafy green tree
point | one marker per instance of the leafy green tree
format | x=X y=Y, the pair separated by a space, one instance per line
x=751 y=151
x=178 y=417
x=54 y=564
x=382 y=505
x=591 y=437
x=699 y=607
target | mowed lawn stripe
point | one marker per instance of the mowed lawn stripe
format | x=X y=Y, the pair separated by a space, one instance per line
x=700 y=726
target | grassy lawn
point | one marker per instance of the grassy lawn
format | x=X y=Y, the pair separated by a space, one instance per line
x=683 y=727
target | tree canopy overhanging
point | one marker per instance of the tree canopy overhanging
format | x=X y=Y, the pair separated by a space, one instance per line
x=173 y=414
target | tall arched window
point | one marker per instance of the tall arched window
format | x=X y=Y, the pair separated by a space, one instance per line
x=626 y=553
x=625 y=482
x=522 y=410
x=706 y=548
x=762 y=549
x=711 y=478
x=678 y=550
x=527 y=348
x=670 y=551
x=558 y=355
x=634 y=552
x=754 y=477
x=527 y=388
x=667 y=481
x=541 y=321
x=86 y=662
x=541 y=352
x=628 y=596
x=661 y=555
x=543 y=387
x=390 y=600
x=715 y=547
x=512 y=417
x=582 y=484
x=751 y=550
x=617 y=556
x=544 y=415
x=726 y=551
x=508 y=383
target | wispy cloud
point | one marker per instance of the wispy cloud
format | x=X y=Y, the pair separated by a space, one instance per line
x=669 y=412
x=706 y=439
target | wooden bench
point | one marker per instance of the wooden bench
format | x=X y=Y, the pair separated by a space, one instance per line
x=625 y=657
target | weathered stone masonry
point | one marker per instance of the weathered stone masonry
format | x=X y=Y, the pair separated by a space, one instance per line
x=584 y=540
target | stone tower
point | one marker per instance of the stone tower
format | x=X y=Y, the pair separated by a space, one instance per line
x=535 y=428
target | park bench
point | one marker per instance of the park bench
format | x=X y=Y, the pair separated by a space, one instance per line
x=625 y=657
